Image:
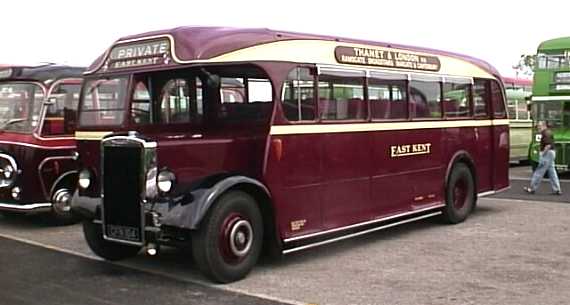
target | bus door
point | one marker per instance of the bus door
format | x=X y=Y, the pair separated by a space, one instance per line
x=500 y=141
x=294 y=167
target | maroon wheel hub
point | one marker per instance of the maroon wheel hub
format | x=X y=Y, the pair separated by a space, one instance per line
x=236 y=238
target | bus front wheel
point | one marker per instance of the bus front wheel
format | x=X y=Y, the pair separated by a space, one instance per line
x=459 y=194
x=228 y=242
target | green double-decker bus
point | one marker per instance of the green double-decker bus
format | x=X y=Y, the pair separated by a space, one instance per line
x=551 y=98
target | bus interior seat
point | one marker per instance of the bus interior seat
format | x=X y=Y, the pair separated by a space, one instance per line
x=53 y=126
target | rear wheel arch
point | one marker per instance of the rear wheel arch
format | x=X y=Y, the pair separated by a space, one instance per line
x=465 y=158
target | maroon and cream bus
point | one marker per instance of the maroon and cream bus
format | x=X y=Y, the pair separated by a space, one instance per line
x=38 y=109
x=234 y=140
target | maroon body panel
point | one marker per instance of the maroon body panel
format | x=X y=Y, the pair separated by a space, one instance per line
x=319 y=180
x=44 y=152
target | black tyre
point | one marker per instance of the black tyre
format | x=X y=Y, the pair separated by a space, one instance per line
x=61 y=213
x=10 y=214
x=106 y=249
x=460 y=194
x=229 y=240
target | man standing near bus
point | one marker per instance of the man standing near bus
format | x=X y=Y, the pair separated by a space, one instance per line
x=545 y=162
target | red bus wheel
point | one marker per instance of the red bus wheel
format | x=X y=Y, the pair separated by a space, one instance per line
x=229 y=240
x=460 y=194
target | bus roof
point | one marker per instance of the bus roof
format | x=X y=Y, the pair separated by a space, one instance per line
x=42 y=73
x=204 y=43
x=561 y=43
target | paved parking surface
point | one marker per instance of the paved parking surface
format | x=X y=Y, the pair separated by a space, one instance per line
x=508 y=252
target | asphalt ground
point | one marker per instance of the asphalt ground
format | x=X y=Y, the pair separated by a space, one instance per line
x=515 y=249
x=36 y=275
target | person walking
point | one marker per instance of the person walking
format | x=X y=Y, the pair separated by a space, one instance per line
x=545 y=162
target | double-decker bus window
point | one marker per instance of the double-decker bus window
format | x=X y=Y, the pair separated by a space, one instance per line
x=299 y=95
x=103 y=101
x=456 y=98
x=498 y=102
x=388 y=96
x=425 y=97
x=141 y=110
x=61 y=115
x=481 y=98
x=342 y=97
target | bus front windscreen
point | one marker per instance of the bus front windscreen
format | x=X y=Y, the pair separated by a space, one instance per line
x=103 y=102
x=550 y=112
x=20 y=105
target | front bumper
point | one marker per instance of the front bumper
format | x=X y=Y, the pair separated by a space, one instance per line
x=26 y=208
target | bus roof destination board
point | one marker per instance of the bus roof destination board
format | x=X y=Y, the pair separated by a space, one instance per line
x=140 y=54
x=386 y=58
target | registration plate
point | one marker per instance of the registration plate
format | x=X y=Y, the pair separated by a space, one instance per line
x=123 y=233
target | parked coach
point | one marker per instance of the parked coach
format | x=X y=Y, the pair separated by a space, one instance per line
x=38 y=107
x=230 y=140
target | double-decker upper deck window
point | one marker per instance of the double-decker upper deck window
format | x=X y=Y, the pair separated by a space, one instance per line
x=481 y=98
x=103 y=101
x=387 y=94
x=61 y=115
x=425 y=97
x=341 y=95
x=299 y=95
x=457 y=98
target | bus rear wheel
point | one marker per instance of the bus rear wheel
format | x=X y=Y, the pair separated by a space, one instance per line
x=229 y=240
x=460 y=194
x=108 y=250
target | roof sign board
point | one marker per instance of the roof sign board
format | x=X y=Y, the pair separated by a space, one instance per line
x=145 y=53
x=380 y=57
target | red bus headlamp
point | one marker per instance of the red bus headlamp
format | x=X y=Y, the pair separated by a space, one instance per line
x=84 y=179
x=165 y=181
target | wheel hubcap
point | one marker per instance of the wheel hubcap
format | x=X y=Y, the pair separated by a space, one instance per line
x=62 y=201
x=241 y=238
x=236 y=238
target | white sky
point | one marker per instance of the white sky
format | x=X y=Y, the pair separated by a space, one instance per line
x=76 y=32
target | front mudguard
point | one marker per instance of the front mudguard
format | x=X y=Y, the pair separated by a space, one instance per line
x=188 y=210
x=184 y=211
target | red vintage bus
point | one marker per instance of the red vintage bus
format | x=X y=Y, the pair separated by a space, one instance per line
x=38 y=106
x=238 y=139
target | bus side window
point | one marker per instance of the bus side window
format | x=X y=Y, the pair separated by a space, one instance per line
x=141 y=105
x=60 y=118
x=425 y=98
x=481 y=98
x=456 y=98
x=341 y=97
x=298 y=95
x=388 y=96
x=176 y=103
x=498 y=101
